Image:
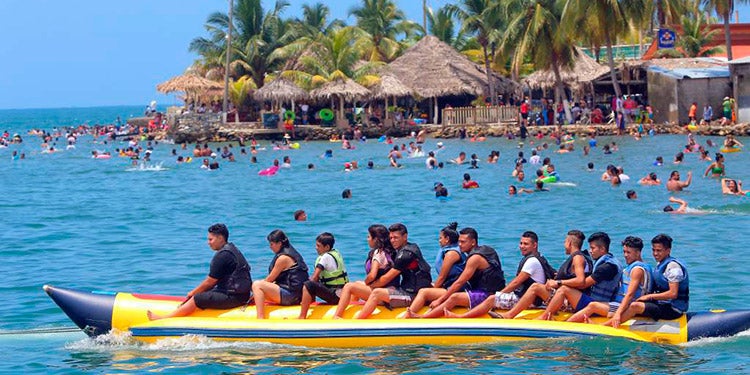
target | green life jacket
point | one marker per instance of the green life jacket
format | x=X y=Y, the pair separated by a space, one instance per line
x=336 y=278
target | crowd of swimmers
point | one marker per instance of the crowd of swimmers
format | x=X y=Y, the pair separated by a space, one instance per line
x=589 y=282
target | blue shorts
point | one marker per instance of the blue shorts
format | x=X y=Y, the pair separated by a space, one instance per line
x=288 y=298
x=476 y=297
x=583 y=302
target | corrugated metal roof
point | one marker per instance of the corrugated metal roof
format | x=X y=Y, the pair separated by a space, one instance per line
x=692 y=73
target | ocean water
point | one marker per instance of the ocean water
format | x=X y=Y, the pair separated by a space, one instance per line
x=73 y=221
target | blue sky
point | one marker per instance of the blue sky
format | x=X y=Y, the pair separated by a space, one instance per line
x=83 y=53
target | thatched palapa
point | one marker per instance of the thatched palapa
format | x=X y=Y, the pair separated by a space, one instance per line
x=389 y=86
x=342 y=88
x=434 y=69
x=281 y=89
x=585 y=70
x=188 y=83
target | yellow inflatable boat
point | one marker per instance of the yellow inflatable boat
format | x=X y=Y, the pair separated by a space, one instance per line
x=97 y=313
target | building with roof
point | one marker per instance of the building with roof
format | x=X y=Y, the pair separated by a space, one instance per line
x=739 y=71
x=740 y=33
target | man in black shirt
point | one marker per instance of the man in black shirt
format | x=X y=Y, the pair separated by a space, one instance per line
x=228 y=283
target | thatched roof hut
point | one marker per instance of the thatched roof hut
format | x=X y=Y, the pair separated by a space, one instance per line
x=434 y=69
x=187 y=83
x=280 y=89
x=389 y=86
x=344 y=89
x=585 y=70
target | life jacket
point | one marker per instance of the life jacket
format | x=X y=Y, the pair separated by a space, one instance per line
x=645 y=287
x=566 y=271
x=660 y=284
x=605 y=290
x=293 y=277
x=239 y=281
x=549 y=272
x=456 y=268
x=336 y=278
x=382 y=271
x=490 y=279
x=417 y=273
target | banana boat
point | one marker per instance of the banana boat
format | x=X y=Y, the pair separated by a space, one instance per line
x=97 y=313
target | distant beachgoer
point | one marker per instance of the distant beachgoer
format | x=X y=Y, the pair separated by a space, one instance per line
x=631 y=194
x=733 y=187
x=651 y=179
x=440 y=190
x=346 y=194
x=469 y=183
x=717 y=168
x=300 y=215
x=679 y=210
x=674 y=183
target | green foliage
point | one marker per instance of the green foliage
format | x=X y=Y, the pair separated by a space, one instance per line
x=383 y=23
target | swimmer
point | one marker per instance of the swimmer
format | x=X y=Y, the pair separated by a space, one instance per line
x=590 y=167
x=674 y=183
x=651 y=179
x=346 y=194
x=659 y=161
x=300 y=215
x=678 y=158
x=440 y=190
x=716 y=169
x=631 y=194
x=679 y=210
x=469 y=183
x=460 y=159
x=733 y=187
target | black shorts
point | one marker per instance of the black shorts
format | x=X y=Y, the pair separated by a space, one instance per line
x=318 y=289
x=219 y=300
x=660 y=311
x=524 y=115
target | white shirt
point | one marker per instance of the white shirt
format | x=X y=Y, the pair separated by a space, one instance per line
x=673 y=273
x=327 y=262
x=535 y=270
x=535 y=159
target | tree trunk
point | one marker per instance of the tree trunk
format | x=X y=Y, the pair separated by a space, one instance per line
x=611 y=63
x=493 y=96
x=728 y=34
x=560 y=95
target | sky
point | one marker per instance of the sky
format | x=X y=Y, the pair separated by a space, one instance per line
x=88 y=53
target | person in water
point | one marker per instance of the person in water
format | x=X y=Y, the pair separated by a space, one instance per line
x=681 y=209
x=674 y=183
x=469 y=183
x=651 y=179
x=286 y=275
x=329 y=275
x=450 y=262
x=440 y=190
x=733 y=187
x=716 y=169
x=601 y=284
x=669 y=297
x=228 y=282
x=635 y=282
x=300 y=215
x=410 y=265
x=379 y=262
x=532 y=269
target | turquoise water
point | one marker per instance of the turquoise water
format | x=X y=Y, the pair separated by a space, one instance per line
x=73 y=221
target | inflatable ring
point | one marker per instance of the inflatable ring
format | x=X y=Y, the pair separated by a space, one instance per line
x=326 y=114
x=692 y=127
x=289 y=115
x=294 y=146
x=730 y=149
x=549 y=179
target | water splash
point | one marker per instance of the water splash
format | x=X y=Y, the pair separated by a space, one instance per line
x=148 y=168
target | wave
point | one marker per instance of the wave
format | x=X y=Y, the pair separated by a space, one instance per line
x=117 y=340
x=148 y=168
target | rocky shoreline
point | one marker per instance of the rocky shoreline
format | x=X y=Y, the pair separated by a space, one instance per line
x=209 y=127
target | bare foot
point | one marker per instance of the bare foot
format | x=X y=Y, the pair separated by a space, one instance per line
x=152 y=316
x=335 y=317
x=410 y=315
x=545 y=316
x=450 y=314
x=495 y=315
x=586 y=319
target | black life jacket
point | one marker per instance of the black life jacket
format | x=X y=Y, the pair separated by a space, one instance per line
x=549 y=273
x=293 y=277
x=566 y=271
x=240 y=281
x=490 y=279
x=417 y=274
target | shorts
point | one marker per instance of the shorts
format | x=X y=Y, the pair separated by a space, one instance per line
x=524 y=116
x=318 y=289
x=661 y=311
x=213 y=299
x=476 y=297
x=505 y=301
x=288 y=298
x=583 y=302
x=613 y=306
x=399 y=297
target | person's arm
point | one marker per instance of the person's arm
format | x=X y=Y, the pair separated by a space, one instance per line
x=282 y=263
x=682 y=203
x=689 y=179
x=516 y=282
x=725 y=187
x=665 y=295
x=471 y=267
x=374 y=267
x=705 y=174
x=579 y=269
x=316 y=274
x=451 y=257
x=386 y=279
x=207 y=283
x=636 y=278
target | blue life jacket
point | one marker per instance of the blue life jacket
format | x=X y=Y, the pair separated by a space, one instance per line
x=456 y=268
x=625 y=281
x=605 y=290
x=662 y=285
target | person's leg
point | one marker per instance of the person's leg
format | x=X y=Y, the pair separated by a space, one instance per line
x=187 y=308
x=424 y=295
x=307 y=299
x=598 y=308
x=535 y=291
x=477 y=311
x=377 y=296
x=635 y=308
x=556 y=303
x=263 y=290
x=456 y=299
x=356 y=289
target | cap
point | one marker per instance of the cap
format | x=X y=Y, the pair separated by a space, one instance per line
x=213 y=154
x=726 y=97
x=440 y=144
x=287 y=136
x=437 y=184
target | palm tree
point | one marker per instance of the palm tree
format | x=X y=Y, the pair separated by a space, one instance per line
x=239 y=92
x=534 y=30
x=696 y=34
x=611 y=18
x=725 y=9
x=383 y=22
x=441 y=24
x=315 y=20
x=212 y=49
x=482 y=18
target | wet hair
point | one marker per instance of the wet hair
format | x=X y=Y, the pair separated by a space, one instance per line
x=277 y=235
x=346 y=194
x=311 y=166
x=531 y=235
x=326 y=239
x=668 y=208
x=471 y=232
x=659 y=159
x=652 y=176
x=719 y=155
x=663 y=239
x=298 y=213
x=513 y=188
x=467 y=177
x=398 y=227
x=219 y=229
x=630 y=194
x=546 y=161
x=679 y=156
x=370 y=164
x=673 y=174
x=450 y=232
x=633 y=242
x=539 y=185
x=591 y=165
x=379 y=234
x=577 y=237
x=600 y=238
